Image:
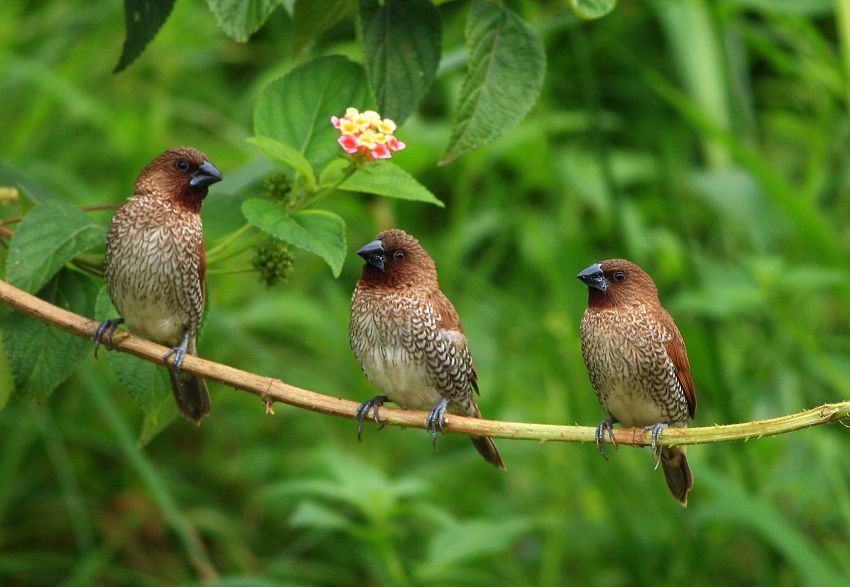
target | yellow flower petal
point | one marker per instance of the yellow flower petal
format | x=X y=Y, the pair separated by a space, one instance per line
x=386 y=126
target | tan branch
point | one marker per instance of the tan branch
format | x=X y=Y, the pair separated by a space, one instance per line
x=275 y=390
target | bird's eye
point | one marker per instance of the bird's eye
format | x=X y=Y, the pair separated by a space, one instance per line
x=619 y=276
x=398 y=255
x=182 y=165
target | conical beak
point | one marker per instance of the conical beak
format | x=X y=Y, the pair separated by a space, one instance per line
x=594 y=277
x=206 y=175
x=373 y=253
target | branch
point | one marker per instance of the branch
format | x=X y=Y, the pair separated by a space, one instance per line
x=274 y=390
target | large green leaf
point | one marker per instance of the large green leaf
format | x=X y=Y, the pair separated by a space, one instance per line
x=276 y=151
x=297 y=108
x=503 y=78
x=591 y=9
x=146 y=382
x=317 y=231
x=7 y=381
x=310 y=18
x=401 y=40
x=239 y=19
x=142 y=19
x=42 y=356
x=382 y=178
x=47 y=238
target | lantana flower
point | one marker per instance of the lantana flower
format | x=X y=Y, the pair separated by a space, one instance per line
x=366 y=134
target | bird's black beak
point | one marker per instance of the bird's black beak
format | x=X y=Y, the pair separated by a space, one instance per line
x=373 y=253
x=594 y=277
x=206 y=175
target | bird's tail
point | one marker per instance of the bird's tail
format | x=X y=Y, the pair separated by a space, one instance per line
x=488 y=450
x=677 y=473
x=193 y=399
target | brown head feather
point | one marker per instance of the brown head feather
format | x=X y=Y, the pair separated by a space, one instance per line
x=407 y=264
x=170 y=174
x=628 y=285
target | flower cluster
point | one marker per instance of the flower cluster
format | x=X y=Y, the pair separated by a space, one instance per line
x=366 y=134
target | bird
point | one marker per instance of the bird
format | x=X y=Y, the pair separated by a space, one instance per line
x=156 y=264
x=637 y=362
x=408 y=339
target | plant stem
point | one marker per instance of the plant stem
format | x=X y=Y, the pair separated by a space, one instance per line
x=316 y=196
x=257 y=238
x=234 y=271
x=229 y=239
x=271 y=390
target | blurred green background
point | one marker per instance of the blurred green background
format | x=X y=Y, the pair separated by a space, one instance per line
x=707 y=141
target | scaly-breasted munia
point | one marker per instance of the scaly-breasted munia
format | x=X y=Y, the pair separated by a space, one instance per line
x=156 y=263
x=637 y=361
x=408 y=339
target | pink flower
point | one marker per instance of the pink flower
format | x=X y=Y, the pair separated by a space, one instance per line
x=349 y=143
x=366 y=134
x=380 y=151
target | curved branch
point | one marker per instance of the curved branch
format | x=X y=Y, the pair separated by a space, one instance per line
x=274 y=390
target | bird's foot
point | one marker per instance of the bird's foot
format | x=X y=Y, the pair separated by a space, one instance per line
x=179 y=353
x=107 y=326
x=437 y=419
x=606 y=425
x=656 y=434
x=360 y=415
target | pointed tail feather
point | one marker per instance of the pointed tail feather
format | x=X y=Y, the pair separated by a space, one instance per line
x=488 y=450
x=193 y=399
x=677 y=473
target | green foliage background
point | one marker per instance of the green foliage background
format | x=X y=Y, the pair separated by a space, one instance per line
x=707 y=141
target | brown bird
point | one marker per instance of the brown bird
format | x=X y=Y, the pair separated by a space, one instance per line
x=637 y=361
x=408 y=339
x=156 y=263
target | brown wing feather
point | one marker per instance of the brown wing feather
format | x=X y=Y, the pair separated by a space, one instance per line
x=678 y=353
x=202 y=270
x=449 y=320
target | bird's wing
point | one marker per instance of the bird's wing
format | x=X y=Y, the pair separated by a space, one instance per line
x=451 y=333
x=202 y=271
x=678 y=353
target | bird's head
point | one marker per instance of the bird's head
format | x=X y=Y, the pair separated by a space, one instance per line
x=618 y=282
x=183 y=175
x=395 y=259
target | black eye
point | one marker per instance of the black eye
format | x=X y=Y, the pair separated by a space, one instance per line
x=619 y=276
x=398 y=255
x=182 y=165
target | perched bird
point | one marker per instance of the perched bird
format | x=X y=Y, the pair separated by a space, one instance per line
x=408 y=339
x=156 y=262
x=637 y=362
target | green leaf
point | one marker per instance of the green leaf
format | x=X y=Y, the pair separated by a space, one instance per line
x=313 y=17
x=591 y=9
x=146 y=382
x=277 y=151
x=503 y=79
x=32 y=190
x=401 y=41
x=43 y=356
x=7 y=382
x=382 y=178
x=239 y=19
x=297 y=108
x=317 y=231
x=48 y=237
x=142 y=20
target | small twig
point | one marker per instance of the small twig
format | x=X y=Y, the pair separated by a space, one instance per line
x=269 y=389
